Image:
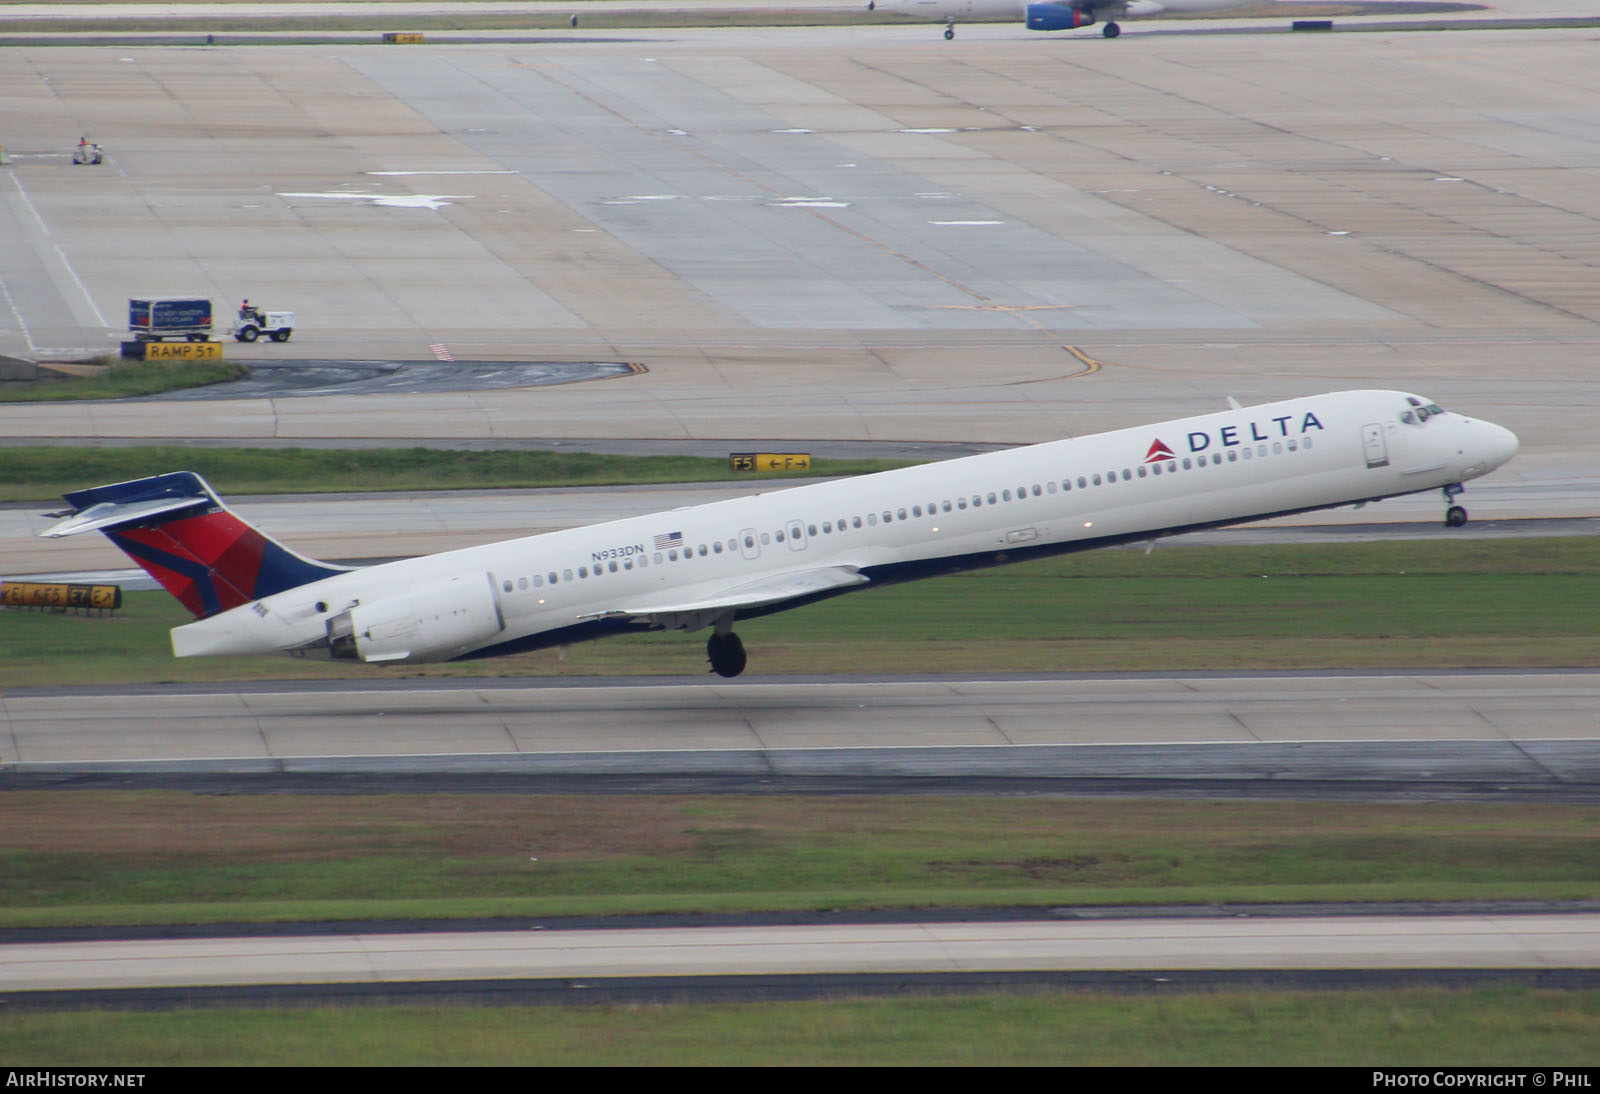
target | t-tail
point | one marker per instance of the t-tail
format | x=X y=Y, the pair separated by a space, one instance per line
x=181 y=533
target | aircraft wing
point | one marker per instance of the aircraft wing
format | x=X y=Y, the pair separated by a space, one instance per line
x=688 y=612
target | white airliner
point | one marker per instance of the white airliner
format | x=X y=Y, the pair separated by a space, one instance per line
x=1050 y=14
x=708 y=565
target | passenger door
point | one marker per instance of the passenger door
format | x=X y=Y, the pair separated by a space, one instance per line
x=1377 y=449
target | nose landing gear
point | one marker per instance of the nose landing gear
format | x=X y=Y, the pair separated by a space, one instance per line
x=1454 y=516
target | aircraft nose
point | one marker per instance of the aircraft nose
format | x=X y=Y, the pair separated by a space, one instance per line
x=1485 y=446
x=1502 y=444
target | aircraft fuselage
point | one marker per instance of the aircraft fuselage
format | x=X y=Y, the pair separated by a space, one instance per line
x=706 y=565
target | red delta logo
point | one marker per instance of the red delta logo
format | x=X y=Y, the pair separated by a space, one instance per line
x=1158 y=452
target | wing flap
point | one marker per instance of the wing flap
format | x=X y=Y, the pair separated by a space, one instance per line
x=761 y=593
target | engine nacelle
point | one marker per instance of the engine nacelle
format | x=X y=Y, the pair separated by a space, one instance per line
x=435 y=623
x=1058 y=17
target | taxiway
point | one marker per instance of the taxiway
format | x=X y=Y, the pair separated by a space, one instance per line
x=1414 y=943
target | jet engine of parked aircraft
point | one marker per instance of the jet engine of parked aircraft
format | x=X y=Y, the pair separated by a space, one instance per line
x=1064 y=17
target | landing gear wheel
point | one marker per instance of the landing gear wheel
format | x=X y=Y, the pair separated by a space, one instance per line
x=1455 y=517
x=1111 y=30
x=949 y=33
x=726 y=654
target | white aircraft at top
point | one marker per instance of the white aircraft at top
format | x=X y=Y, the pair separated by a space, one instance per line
x=1049 y=14
x=710 y=565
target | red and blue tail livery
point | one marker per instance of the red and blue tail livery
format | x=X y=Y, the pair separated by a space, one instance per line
x=181 y=533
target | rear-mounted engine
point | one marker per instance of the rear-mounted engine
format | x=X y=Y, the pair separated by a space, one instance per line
x=435 y=623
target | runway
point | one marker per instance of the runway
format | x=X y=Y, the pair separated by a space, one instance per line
x=1530 y=735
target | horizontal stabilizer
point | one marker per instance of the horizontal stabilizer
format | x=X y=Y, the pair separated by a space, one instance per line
x=105 y=507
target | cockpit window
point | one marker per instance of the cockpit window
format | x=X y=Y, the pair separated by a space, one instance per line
x=1420 y=411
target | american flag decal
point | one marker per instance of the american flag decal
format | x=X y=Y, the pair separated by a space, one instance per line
x=669 y=539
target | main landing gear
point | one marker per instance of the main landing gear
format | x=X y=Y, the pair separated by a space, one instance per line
x=949 y=30
x=1455 y=516
x=1111 y=30
x=726 y=653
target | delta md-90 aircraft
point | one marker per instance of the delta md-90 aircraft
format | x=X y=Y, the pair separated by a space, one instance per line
x=1049 y=14
x=710 y=565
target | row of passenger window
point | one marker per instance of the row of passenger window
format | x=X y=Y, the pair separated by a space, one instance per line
x=643 y=561
x=916 y=512
x=1188 y=463
x=1082 y=482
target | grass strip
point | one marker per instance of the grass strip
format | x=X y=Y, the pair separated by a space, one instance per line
x=45 y=472
x=1500 y=1027
x=124 y=381
x=109 y=857
x=1505 y=603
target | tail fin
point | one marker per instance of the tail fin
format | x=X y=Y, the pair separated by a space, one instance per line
x=176 y=527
